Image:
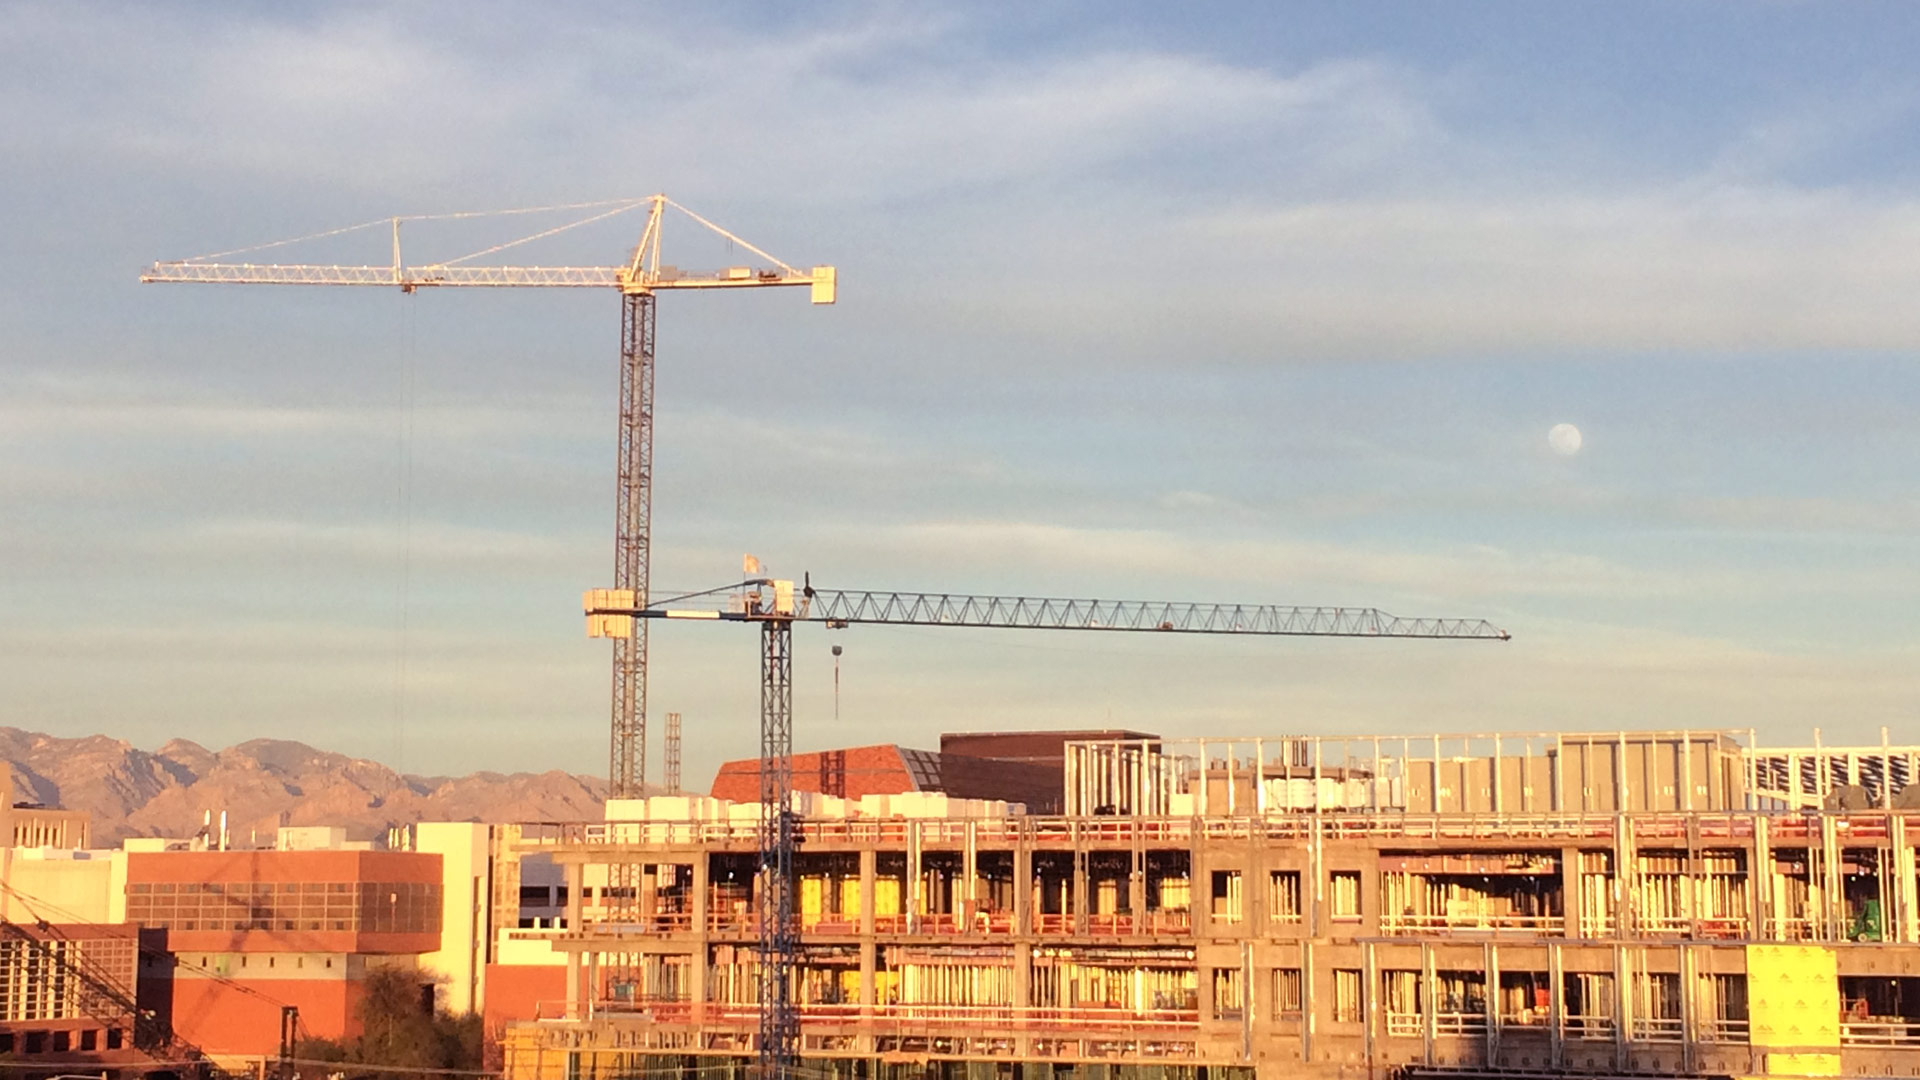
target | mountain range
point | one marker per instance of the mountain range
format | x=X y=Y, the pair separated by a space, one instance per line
x=263 y=783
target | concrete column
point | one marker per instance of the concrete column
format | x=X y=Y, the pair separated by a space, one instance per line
x=702 y=883
x=969 y=900
x=702 y=954
x=1078 y=890
x=1314 y=888
x=1834 y=907
x=1689 y=1006
x=912 y=896
x=1492 y=997
x=1370 y=994
x=1622 y=1005
x=1309 y=990
x=1556 y=1005
x=1626 y=896
x=573 y=873
x=869 y=861
x=1023 y=890
x=1254 y=886
x=1137 y=887
x=1430 y=1003
x=1570 y=896
x=1199 y=886
x=1762 y=876
x=1901 y=854
x=869 y=961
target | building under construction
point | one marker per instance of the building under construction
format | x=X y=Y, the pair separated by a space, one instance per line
x=1671 y=903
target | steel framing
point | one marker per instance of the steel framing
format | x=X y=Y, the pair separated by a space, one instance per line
x=633 y=524
x=1050 y=613
x=779 y=1046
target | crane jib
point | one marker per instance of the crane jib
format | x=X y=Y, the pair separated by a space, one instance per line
x=844 y=608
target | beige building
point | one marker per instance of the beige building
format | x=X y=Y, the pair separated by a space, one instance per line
x=1673 y=903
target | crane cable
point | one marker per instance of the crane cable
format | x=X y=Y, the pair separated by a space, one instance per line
x=628 y=203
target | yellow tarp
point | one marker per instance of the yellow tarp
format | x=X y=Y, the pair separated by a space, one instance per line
x=1793 y=1002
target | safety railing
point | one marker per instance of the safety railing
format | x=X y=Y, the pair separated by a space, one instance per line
x=604 y=921
x=1724 y=1030
x=1459 y=1023
x=1532 y=925
x=1880 y=1031
x=894 y=1017
x=1662 y=1029
x=1385 y=823
x=1575 y=1026
x=1168 y=921
x=829 y=923
x=1793 y=929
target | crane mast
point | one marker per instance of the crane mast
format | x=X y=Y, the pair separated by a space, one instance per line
x=639 y=279
x=622 y=614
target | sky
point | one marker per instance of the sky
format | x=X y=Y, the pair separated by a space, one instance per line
x=1264 y=303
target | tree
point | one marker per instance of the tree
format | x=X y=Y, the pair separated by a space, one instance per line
x=399 y=1027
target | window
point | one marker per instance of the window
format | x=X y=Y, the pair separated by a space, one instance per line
x=1346 y=894
x=1226 y=895
x=1229 y=994
x=363 y=907
x=114 y=1038
x=1286 y=991
x=1283 y=896
x=1346 y=996
x=1400 y=992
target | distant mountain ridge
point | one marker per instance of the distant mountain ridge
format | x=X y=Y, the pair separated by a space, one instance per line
x=134 y=792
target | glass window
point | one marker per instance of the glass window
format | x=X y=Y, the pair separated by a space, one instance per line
x=1345 y=898
x=1346 y=996
x=1286 y=993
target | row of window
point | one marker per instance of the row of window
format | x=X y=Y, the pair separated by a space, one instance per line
x=61 y=1042
x=1284 y=897
x=37 y=981
x=1522 y=997
x=357 y=907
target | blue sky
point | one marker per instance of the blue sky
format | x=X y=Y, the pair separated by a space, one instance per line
x=1249 y=303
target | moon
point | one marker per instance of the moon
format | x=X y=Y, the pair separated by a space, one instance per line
x=1565 y=439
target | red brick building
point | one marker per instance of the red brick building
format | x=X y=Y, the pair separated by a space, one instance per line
x=1013 y=766
x=250 y=932
x=896 y=770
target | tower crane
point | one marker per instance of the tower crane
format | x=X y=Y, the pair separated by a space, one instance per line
x=776 y=605
x=639 y=279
